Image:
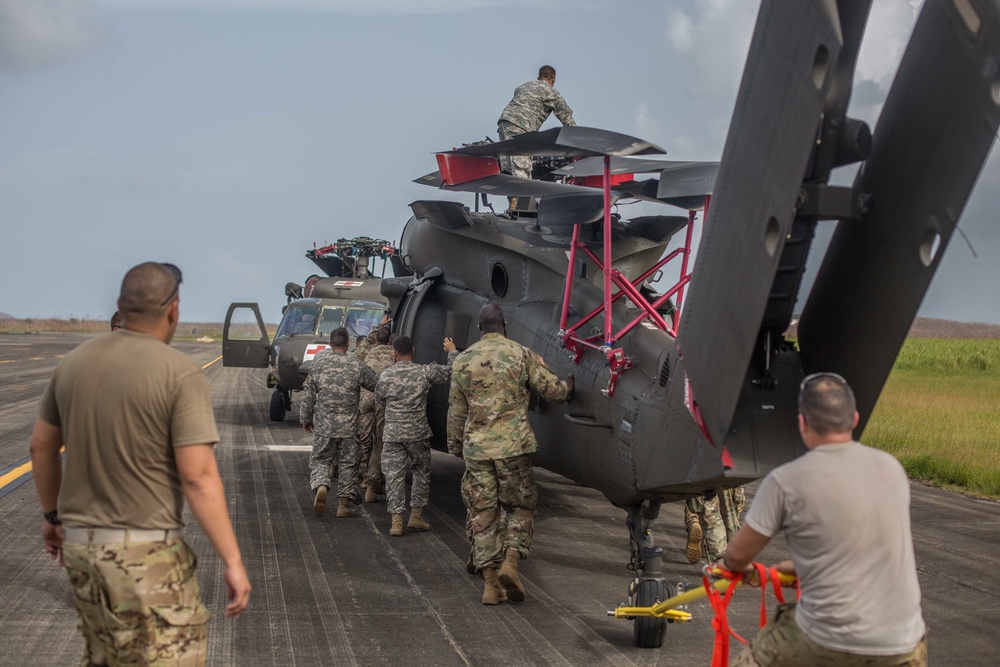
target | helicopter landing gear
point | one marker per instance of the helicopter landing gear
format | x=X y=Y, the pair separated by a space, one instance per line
x=649 y=586
x=281 y=402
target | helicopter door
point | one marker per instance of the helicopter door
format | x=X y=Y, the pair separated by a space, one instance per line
x=407 y=317
x=245 y=343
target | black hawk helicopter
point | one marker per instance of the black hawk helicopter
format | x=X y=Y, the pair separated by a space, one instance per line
x=695 y=388
x=348 y=297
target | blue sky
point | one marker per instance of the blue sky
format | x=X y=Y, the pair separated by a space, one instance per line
x=228 y=137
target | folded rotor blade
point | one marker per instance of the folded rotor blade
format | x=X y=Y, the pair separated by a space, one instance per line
x=594 y=166
x=932 y=139
x=778 y=110
x=566 y=141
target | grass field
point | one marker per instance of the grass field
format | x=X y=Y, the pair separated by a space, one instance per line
x=939 y=413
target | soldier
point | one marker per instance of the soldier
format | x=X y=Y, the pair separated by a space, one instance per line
x=135 y=416
x=361 y=349
x=491 y=387
x=402 y=391
x=713 y=518
x=116 y=321
x=329 y=411
x=532 y=103
x=372 y=417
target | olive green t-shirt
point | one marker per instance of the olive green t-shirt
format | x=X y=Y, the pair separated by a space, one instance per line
x=124 y=401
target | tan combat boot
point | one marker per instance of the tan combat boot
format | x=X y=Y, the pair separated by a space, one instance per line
x=319 y=502
x=397 y=525
x=694 y=542
x=416 y=521
x=493 y=593
x=344 y=510
x=508 y=576
x=370 y=495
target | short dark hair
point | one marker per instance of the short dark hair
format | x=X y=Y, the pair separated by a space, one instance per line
x=339 y=338
x=827 y=404
x=116 y=321
x=403 y=346
x=392 y=338
x=382 y=335
x=491 y=319
x=147 y=289
x=546 y=72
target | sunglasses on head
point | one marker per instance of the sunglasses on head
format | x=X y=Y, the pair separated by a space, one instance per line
x=176 y=272
x=815 y=377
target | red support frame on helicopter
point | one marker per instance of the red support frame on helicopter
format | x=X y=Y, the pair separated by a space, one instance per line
x=617 y=359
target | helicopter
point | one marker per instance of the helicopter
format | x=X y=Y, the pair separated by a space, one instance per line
x=349 y=296
x=694 y=388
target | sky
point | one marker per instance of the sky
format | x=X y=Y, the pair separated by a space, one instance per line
x=229 y=136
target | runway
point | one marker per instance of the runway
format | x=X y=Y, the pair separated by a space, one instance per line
x=342 y=592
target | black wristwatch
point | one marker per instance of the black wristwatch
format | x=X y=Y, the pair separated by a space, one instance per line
x=53 y=518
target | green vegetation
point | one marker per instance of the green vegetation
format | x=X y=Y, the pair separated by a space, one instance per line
x=938 y=413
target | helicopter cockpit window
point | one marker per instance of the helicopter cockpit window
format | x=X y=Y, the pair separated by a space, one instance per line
x=332 y=318
x=298 y=320
x=360 y=321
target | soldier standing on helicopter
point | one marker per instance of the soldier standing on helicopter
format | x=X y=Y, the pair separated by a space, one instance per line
x=527 y=111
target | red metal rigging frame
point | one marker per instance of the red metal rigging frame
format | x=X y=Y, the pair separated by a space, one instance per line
x=617 y=359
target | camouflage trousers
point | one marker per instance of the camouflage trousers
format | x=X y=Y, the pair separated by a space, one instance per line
x=345 y=454
x=138 y=603
x=719 y=516
x=500 y=495
x=517 y=165
x=371 y=423
x=782 y=642
x=395 y=457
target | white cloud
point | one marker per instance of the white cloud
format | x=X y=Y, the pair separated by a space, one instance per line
x=645 y=124
x=36 y=33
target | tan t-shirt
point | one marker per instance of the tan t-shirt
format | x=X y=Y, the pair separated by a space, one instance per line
x=124 y=401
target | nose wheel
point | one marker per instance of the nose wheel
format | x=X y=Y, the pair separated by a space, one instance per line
x=280 y=403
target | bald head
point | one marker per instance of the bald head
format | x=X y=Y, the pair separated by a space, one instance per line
x=148 y=290
x=491 y=319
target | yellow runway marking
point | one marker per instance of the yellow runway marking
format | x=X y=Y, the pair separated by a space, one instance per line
x=15 y=474
x=18 y=472
x=211 y=362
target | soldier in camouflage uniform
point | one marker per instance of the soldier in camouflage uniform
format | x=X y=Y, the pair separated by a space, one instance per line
x=711 y=521
x=361 y=349
x=135 y=416
x=402 y=391
x=491 y=386
x=527 y=111
x=329 y=410
x=371 y=419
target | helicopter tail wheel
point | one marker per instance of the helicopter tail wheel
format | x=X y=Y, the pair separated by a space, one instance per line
x=647 y=630
x=277 y=411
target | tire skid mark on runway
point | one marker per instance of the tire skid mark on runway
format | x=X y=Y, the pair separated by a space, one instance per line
x=594 y=639
x=276 y=601
x=411 y=582
x=336 y=636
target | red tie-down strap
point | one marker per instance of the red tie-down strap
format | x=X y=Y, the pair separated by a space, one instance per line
x=720 y=605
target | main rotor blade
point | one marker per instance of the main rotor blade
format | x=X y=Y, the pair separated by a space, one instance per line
x=594 y=166
x=932 y=139
x=566 y=141
x=794 y=49
x=515 y=186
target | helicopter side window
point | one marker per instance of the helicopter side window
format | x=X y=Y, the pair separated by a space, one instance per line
x=332 y=318
x=301 y=320
x=360 y=321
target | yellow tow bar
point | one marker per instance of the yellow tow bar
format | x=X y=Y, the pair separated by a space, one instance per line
x=667 y=609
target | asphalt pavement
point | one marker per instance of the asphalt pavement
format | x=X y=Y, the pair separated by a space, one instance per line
x=341 y=591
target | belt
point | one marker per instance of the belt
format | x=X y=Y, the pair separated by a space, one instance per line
x=116 y=535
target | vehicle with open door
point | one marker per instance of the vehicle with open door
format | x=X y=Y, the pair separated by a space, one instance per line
x=303 y=332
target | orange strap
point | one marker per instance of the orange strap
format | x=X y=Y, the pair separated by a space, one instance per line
x=720 y=604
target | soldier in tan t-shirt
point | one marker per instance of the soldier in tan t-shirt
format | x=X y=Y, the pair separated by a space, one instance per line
x=136 y=419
